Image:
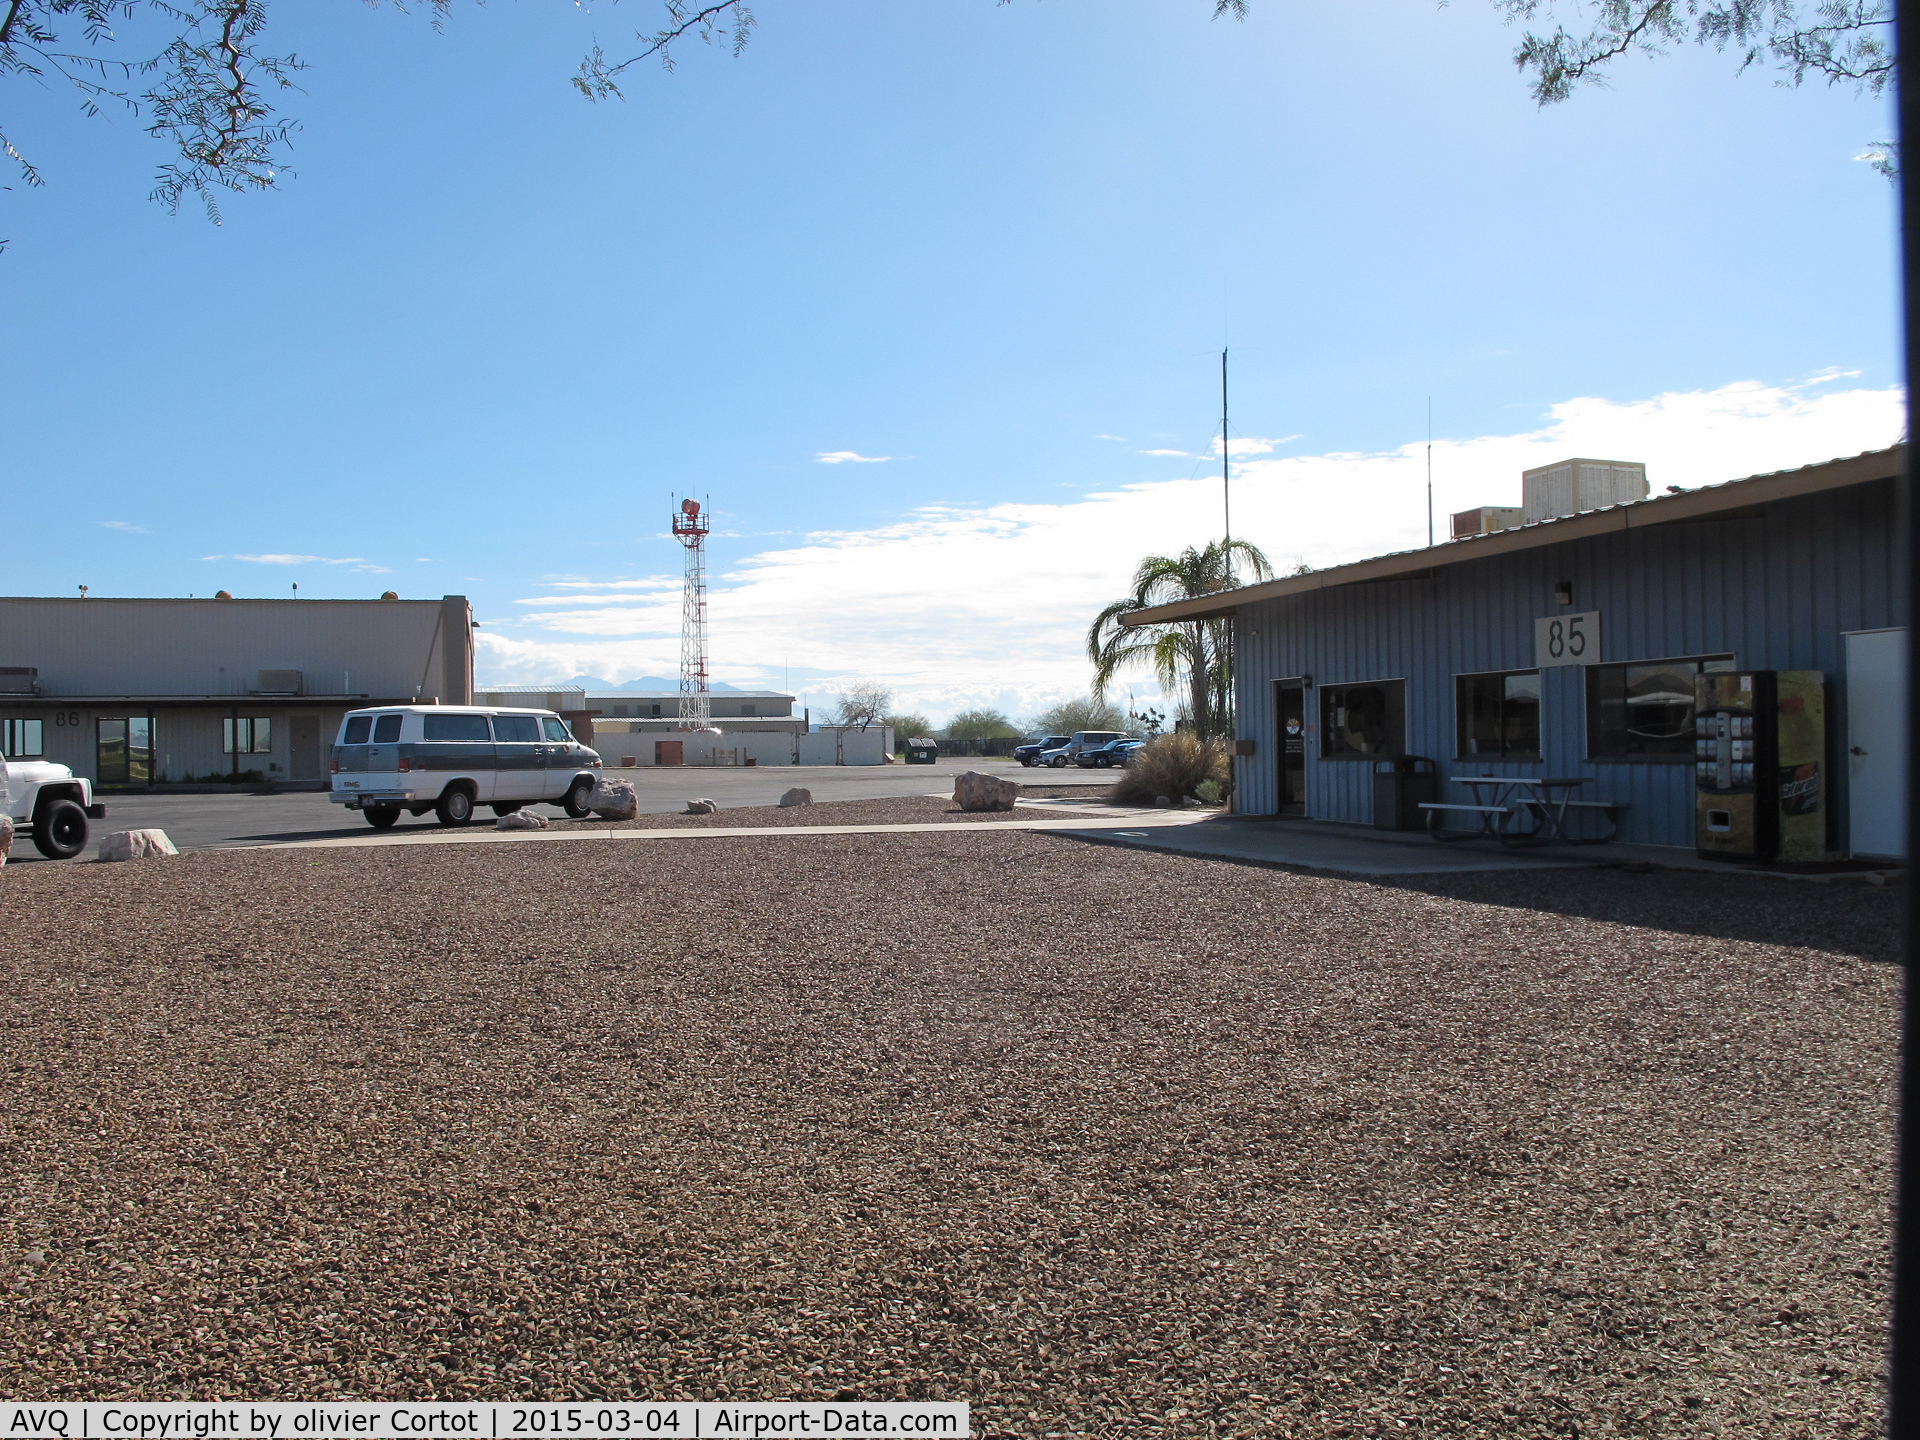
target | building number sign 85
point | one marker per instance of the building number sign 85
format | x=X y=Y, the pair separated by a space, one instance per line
x=1567 y=639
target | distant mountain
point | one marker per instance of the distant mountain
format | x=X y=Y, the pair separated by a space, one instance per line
x=645 y=685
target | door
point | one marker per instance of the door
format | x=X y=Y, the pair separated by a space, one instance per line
x=520 y=756
x=1877 y=743
x=303 y=747
x=562 y=757
x=668 y=752
x=1291 y=710
x=110 y=752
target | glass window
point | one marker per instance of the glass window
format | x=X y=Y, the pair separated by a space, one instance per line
x=22 y=738
x=359 y=727
x=516 y=729
x=1644 y=711
x=656 y=709
x=619 y=710
x=254 y=734
x=457 y=727
x=386 y=730
x=747 y=708
x=1497 y=716
x=1367 y=719
x=556 y=729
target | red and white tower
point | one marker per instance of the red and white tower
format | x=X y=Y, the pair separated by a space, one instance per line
x=690 y=529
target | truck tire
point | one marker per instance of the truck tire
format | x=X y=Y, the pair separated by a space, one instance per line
x=382 y=817
x=60 y=831
x=455 y=807
x=576 y=801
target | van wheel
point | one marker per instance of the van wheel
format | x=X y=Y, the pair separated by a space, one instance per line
x=381 y=817
x=455 y=807
x=576 y=801
x=61 y=831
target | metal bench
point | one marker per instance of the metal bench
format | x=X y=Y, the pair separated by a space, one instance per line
x=1611 y=809
x=1485 y=812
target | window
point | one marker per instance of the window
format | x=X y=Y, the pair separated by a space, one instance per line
x=556 y=729
x=386 y=730
x=1644 y=711
x=516 y=729
x=656 y=709
x=123 y=751
x=747 y=708
x=619 y=710
x=457 y=727
x=1497 y=716
x=21 y=738
x=359 y=727
x=255 y=734
x=1367 y=719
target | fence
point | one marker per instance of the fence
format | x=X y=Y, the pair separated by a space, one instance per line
x=1000 y=745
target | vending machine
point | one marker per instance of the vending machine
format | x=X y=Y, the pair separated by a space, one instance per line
x=1760 y=740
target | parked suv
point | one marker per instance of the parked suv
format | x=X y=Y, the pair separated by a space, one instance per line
x=1101 y=757
x=1029 y=753
x=450 y=758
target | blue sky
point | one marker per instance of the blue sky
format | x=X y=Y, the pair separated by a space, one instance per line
x=489 y=329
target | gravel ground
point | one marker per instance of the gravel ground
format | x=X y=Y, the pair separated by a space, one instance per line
x=1102 y=1141
x=904 y=810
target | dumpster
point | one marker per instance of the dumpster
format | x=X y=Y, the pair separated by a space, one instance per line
x=922 y=751
x=1399 y=787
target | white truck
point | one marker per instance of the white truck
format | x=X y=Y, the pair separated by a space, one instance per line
x=52 y=802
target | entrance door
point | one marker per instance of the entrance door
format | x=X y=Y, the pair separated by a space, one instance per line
x=1876 y=743
x=303 y=746
x=110 y=752
x=668 y=752
x=1290 y=708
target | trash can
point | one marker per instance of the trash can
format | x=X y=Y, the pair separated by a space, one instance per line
x=922 y=752
x=1399 y=786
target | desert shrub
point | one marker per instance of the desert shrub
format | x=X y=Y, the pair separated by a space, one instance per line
x=1174 y=766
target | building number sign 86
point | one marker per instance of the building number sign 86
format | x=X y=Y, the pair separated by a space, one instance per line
x=1567 y=639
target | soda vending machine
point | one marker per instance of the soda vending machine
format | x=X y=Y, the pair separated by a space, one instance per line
x=1760 y=740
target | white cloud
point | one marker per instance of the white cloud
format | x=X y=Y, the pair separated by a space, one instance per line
x=1121 y=438
x=1243 y=445
x=125 y=525
x=1183 y=454
x=290 y=559
x=967 y=606
x=842 y=457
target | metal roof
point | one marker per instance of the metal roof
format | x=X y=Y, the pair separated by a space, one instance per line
x=1723 y=501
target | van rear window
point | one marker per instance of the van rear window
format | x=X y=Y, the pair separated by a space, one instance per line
x=386 y=730
x=456 y=727
x=358 y=728
x=524 y=729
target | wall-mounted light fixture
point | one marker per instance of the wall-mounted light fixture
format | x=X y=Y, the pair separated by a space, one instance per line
x=1306 y=682
x=1563 y=593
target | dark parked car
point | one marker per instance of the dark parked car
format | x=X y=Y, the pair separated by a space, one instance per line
x=1029 y=753
x=1114 y=752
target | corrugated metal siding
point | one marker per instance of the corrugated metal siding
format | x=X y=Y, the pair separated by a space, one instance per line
x=1778 y=592
x=218 y=647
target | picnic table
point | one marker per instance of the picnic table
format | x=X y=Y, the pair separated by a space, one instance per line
x=1500 y=800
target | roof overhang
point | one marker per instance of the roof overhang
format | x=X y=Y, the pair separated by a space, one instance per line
x=1731 y=500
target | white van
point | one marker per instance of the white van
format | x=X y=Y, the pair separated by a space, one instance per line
x=450 y=758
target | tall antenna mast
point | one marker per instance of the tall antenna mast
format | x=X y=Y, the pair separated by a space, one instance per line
x=1226 y=478
x=690 y=529
x=1429 y=472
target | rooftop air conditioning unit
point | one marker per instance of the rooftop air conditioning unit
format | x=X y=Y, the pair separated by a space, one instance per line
x=1570 y=486
x=19 y=680
x=281 y=682
x=1485 y=519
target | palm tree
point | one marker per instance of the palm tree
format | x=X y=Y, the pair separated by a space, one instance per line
x=1195 y=653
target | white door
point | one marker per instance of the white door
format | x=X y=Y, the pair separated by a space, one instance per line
x=1877 y=743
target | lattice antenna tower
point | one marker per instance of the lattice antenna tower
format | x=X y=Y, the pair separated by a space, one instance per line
x=690 y=529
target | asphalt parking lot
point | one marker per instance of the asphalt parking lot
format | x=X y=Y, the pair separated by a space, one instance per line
x=201 y=822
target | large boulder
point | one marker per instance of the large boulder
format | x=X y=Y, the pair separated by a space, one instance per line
x=6 y=838
x=613 y=799
x=521 y=820
x=702 y=807
x=799 y=795
x=135 y=845
x=974 y=791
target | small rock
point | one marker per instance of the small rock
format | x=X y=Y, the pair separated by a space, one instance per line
x=1162 y=802
x=35 y=1258
x=521 y=820
x=6 y=837
x=1190 y=803
x=701 y=807
x=799 y=795
x=974 y=791
x=613 y=799
x=135 y=845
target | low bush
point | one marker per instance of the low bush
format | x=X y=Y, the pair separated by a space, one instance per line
x=1175 y=766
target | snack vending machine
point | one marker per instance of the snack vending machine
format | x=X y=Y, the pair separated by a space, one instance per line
x=1759 y=754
